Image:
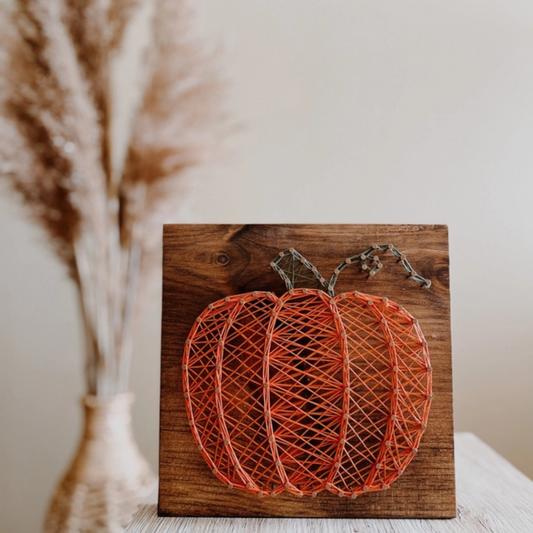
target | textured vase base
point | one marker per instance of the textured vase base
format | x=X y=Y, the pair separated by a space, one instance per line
x=108 y=479
x=109 y=507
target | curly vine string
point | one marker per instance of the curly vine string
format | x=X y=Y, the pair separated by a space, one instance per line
x=295 y=270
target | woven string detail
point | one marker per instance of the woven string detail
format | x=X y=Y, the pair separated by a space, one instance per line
x=108 y=478
x=296 y=271
x=307 y=392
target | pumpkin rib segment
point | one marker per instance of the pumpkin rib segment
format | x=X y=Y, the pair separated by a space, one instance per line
x=291 y=345
x=418 y=400
x=391 y=348
x=370 y=364
x=285 y=484
x=409 y=425
x=346 y=381
x=203 y=439
x=245 y=478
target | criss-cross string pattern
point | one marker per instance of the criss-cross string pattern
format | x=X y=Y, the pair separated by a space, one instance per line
x=308 y=391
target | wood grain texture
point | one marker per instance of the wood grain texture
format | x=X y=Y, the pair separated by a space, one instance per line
x=203 y=263
x=492 y=497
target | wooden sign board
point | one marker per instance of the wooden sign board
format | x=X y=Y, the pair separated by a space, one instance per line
x=204 y=263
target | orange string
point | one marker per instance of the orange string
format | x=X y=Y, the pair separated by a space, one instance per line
x=307 y=392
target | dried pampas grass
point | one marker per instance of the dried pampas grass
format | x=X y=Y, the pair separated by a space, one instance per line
x=56 y=150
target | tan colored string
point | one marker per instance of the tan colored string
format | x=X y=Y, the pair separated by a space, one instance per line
x=307 y=392
x=108 y=478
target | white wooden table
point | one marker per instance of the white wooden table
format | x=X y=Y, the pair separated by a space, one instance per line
x=492 y=496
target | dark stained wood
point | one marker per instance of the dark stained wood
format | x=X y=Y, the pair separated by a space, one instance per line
x=203 y=263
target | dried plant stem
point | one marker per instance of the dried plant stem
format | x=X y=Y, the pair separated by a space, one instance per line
x=56 y=150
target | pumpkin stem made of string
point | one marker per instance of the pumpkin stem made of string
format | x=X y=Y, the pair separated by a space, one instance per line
x=308 y=392
x=296 y=271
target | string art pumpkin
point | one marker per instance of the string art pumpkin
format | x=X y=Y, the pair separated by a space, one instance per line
x=308 y=391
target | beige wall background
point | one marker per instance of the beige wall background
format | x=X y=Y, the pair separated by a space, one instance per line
x=351 y=112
